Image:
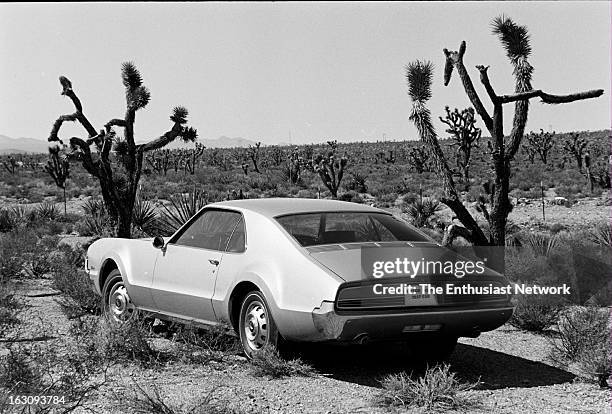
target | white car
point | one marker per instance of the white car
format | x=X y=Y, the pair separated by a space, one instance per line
x=284 y=269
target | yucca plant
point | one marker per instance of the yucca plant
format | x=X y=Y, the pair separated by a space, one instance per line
x=182 y=208
x=602 y=234
x=421 y=211
x=541 y=244
x=144 y=215
x=47 y=211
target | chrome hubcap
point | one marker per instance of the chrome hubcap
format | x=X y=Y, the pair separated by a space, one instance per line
x=256 y=326
x=119 y=304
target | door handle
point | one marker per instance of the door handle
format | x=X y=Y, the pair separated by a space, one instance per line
x=214 y=262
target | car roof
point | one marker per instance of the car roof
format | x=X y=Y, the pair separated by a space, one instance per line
x=273 y=207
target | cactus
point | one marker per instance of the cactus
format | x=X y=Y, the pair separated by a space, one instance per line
x=118 y=178
x=515 y=40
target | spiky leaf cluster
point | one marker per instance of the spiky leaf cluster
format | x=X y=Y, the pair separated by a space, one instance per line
x=189 y=134
x=137 y=95
x=419 y=75
x=179 y=115
x=130 y=75
x=514 y=37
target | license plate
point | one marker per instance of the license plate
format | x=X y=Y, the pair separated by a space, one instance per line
x=420 y=300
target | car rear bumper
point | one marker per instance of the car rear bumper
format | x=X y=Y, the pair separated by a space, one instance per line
x=332 y=326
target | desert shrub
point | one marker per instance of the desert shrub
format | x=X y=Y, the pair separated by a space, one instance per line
x=128 y=342
x=151 y=400
x=422 y=211
x=69 y=277
x=8 y=221
x=351 y=196
x=39 y=369
x=215 y=338
x=9 y=306
x=584 y=337
x=270 y=363
x=536 y=313
x=437 y=389
x=541 y=244
x=357 y=182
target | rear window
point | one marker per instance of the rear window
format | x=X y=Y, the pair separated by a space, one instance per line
x=313 y=229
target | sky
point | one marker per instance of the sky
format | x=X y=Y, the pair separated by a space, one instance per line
x=289 y=72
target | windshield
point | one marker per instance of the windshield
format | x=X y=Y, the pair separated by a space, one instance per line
x=312 y=229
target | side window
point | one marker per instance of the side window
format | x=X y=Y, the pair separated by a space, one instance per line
x=237 y=243
x=211 y=230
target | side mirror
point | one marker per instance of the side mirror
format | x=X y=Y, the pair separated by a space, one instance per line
x=158 y=242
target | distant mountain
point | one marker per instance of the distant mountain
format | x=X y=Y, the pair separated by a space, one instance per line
x=10 y=145
x=226 y=142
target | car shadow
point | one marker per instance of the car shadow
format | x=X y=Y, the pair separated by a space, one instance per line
x=367 y=364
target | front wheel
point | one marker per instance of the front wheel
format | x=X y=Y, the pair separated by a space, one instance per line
x=256 y=326
x=116 y=303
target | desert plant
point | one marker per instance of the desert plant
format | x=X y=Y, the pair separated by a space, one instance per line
x=145 y=215
x=128 y=342
x=119 y=183
x=58 y=167
x=515 y=41
x=539 y=144
x=536 y=313
x=270 y=363
x=47 y=211
x=182 y=208
x=541 y=244
x=330 y=167
x=69 y=278
x=465 y=136
x=421 y=211
x=8 y=221
x=575 y=146
x=584 y=337
x=601 y=234
x=418 y=158
x=437 y=389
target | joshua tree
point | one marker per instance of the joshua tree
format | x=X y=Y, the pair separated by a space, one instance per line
x=576 y=147
x=190 y=157
x=119 y=178
x=465 y=135
x=330 y=168
x=418 y=157
x=10 y=164
x=253 y=153
x=294 y=167
x=539 y=144
x=58 y=167
x=515 y=40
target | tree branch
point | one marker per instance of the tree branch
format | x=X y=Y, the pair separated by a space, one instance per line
x=484 y=79
x=163 y=140
x=115 y=122
x=456 y=59
x=551 y=99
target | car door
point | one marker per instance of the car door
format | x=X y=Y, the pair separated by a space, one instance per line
x=185 y=272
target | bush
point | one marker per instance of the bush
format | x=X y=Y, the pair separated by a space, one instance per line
x=69 y=278
x=128 y=342
x=268 y=362
x=536 y=313
x=437 y=389
x=584 y=337
x=8 y=221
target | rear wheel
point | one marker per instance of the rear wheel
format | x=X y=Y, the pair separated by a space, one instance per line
x=116 y=303
x=257 y=329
